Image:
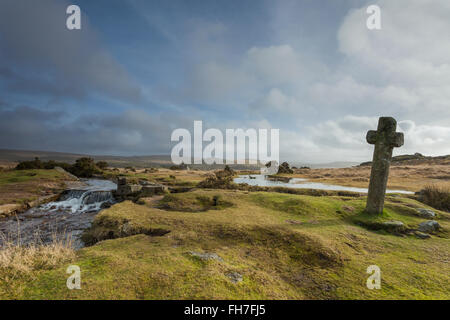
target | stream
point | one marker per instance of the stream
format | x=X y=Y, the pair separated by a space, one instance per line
x=68 y=217
x=298 y=183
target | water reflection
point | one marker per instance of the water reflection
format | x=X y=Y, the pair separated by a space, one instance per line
x=298 y=183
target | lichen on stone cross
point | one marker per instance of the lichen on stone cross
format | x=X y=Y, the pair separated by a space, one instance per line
x=385 y=138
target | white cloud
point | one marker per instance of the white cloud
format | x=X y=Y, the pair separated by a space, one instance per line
x=407 y=62
x=402 y=71
x=275 y=100
x=274 y=65
x=429 y=140
x=344 y=139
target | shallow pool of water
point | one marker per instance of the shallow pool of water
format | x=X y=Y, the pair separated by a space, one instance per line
x=298 y=183
x=100 y=185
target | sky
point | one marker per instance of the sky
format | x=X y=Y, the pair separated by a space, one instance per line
x=137 y=70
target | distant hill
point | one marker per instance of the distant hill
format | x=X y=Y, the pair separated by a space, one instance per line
x=415 y=159
x=14 y=156
x=331 y=165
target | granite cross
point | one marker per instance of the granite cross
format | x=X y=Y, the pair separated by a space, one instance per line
x=384 y=139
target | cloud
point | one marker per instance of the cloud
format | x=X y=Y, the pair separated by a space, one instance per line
x=216 y=84
x=402 y=70
x=430 y=140
x=324 y=107
x=323 y=81
x=274 y=65
x=405 y=64
x=131 y=132
x=344 y=139
x=263 y=76
x=275 y=100
x=39 y=55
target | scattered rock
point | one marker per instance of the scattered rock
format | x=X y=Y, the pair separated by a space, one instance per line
x=125 y=190
x=285 y=168
x=149 y=190
x=393 y=224
x=429 y=226
x=229 y=171
x=235 y=277
x=206 y=256
x=421 y=235
x=42 y=200
x=9 y=209
x=426 y=213
x=222 y=179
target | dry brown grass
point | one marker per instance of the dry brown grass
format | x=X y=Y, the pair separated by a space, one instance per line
x=24 y=259
x=23 y=186
x=436 y=197
x=411 y=177
x=19 y=261
x=163 y=176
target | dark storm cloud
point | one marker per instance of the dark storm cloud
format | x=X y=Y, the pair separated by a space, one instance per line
x=131 y=132
x=38 y=54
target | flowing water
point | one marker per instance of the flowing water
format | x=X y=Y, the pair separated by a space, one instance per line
x=69 y=216
x=298 y=183
x=87 y=199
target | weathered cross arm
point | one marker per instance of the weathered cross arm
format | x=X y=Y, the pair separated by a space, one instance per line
x=371 y=137
x=397 y=140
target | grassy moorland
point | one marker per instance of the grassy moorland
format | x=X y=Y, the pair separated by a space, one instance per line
x=167 y=177
x=23 y=186
x=285 y=246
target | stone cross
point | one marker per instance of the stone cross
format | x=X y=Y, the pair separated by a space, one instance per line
x=384 y=139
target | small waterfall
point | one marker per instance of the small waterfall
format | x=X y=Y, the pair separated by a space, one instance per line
x=97 y=196
x=70 y=194
x=80 y=201
x=69 y=216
